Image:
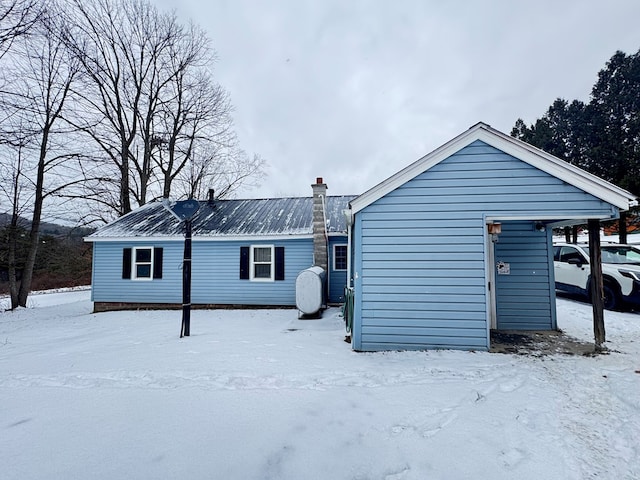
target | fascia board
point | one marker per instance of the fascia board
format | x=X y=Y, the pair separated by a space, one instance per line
x=156 y=238
x=200 y=238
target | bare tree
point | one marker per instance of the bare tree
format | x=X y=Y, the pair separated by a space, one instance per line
x=195 y=119
x=224 y=170
x=12 y=187
x=197 y=146
x=150 y=101
x=16 y=19
x=155 y=122
x=173 y=58
x=43 y=75
x=122 y=47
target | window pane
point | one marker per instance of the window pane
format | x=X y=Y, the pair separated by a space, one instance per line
x=633 y=256
x=620 y=255
x=262 y=254
x=143 y=271
x=570 y=253
x=262 y=271
x=143 y=255
x=341 y=257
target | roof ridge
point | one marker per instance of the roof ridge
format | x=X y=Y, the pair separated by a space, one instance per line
x=274 y=198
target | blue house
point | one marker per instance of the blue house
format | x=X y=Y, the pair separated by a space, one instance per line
x=245 y=252
x=449 y=248
x=460 y=242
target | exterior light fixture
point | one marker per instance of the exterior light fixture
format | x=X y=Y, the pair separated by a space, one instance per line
x=494 y=228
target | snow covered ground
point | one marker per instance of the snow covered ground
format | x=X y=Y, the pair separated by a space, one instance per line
x=259 y=394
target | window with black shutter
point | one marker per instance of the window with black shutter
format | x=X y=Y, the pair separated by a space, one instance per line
x=262 y=263
x=142 y=263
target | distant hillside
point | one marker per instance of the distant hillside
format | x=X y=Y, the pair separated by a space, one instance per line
x=63 y=259
x=51 y=229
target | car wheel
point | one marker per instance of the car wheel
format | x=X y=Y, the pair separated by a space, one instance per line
x=612 y=299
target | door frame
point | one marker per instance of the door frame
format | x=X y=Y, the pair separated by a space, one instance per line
x=490 y=257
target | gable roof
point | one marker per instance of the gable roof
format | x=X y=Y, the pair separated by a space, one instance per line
x=229 y=219
x=523 y=151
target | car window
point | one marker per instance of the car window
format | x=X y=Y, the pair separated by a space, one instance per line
x=571 y=253
x=556 y=254
x=620 y=254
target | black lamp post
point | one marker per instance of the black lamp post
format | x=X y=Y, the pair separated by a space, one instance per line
x=185 y=210
x=186 y=281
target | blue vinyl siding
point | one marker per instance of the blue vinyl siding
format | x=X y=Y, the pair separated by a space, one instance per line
x=337 y=278
x=109 y=286
x=420 y=251
x=215 y=274
x=524 y=298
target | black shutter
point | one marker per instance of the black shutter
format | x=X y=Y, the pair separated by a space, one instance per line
x=157 y=262
x=244 y=263
x=126 y=263
x=279 y=263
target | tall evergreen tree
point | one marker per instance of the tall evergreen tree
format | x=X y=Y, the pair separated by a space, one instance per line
x=603 y=136
x=615 y=113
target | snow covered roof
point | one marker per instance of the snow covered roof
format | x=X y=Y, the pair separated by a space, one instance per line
x=228 y=219
x=523 y=151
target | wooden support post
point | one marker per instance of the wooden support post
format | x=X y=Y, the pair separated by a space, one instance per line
x=574 y=233
x=596 y=283
x=567 y=234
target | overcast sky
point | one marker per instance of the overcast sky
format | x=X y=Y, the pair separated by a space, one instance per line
x=354 y=91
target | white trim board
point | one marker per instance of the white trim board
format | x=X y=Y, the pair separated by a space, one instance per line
x=201 y=238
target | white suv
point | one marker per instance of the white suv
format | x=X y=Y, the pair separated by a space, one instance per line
x=620 y=269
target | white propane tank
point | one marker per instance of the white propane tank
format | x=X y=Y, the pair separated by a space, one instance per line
x=310 y=290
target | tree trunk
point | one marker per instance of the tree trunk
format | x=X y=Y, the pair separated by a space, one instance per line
x=13 y=242
x=168 y=173
x=166 y=189
x=34 y=236
x=125 y=202
x=13 y=274
x=596 y=283
x=27 y=272
x=145 y=174
x=622 y=228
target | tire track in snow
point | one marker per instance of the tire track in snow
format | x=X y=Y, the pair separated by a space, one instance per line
x=243 y=381
x=596 y=418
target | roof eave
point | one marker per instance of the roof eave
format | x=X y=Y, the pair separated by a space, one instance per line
x=202 y=238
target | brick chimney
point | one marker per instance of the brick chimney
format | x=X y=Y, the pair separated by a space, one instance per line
x=320 y=257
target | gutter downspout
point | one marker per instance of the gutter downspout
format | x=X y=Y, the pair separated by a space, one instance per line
x=326 y=241
x=348 y=213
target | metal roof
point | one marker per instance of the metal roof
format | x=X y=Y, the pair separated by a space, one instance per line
x=230 y=218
